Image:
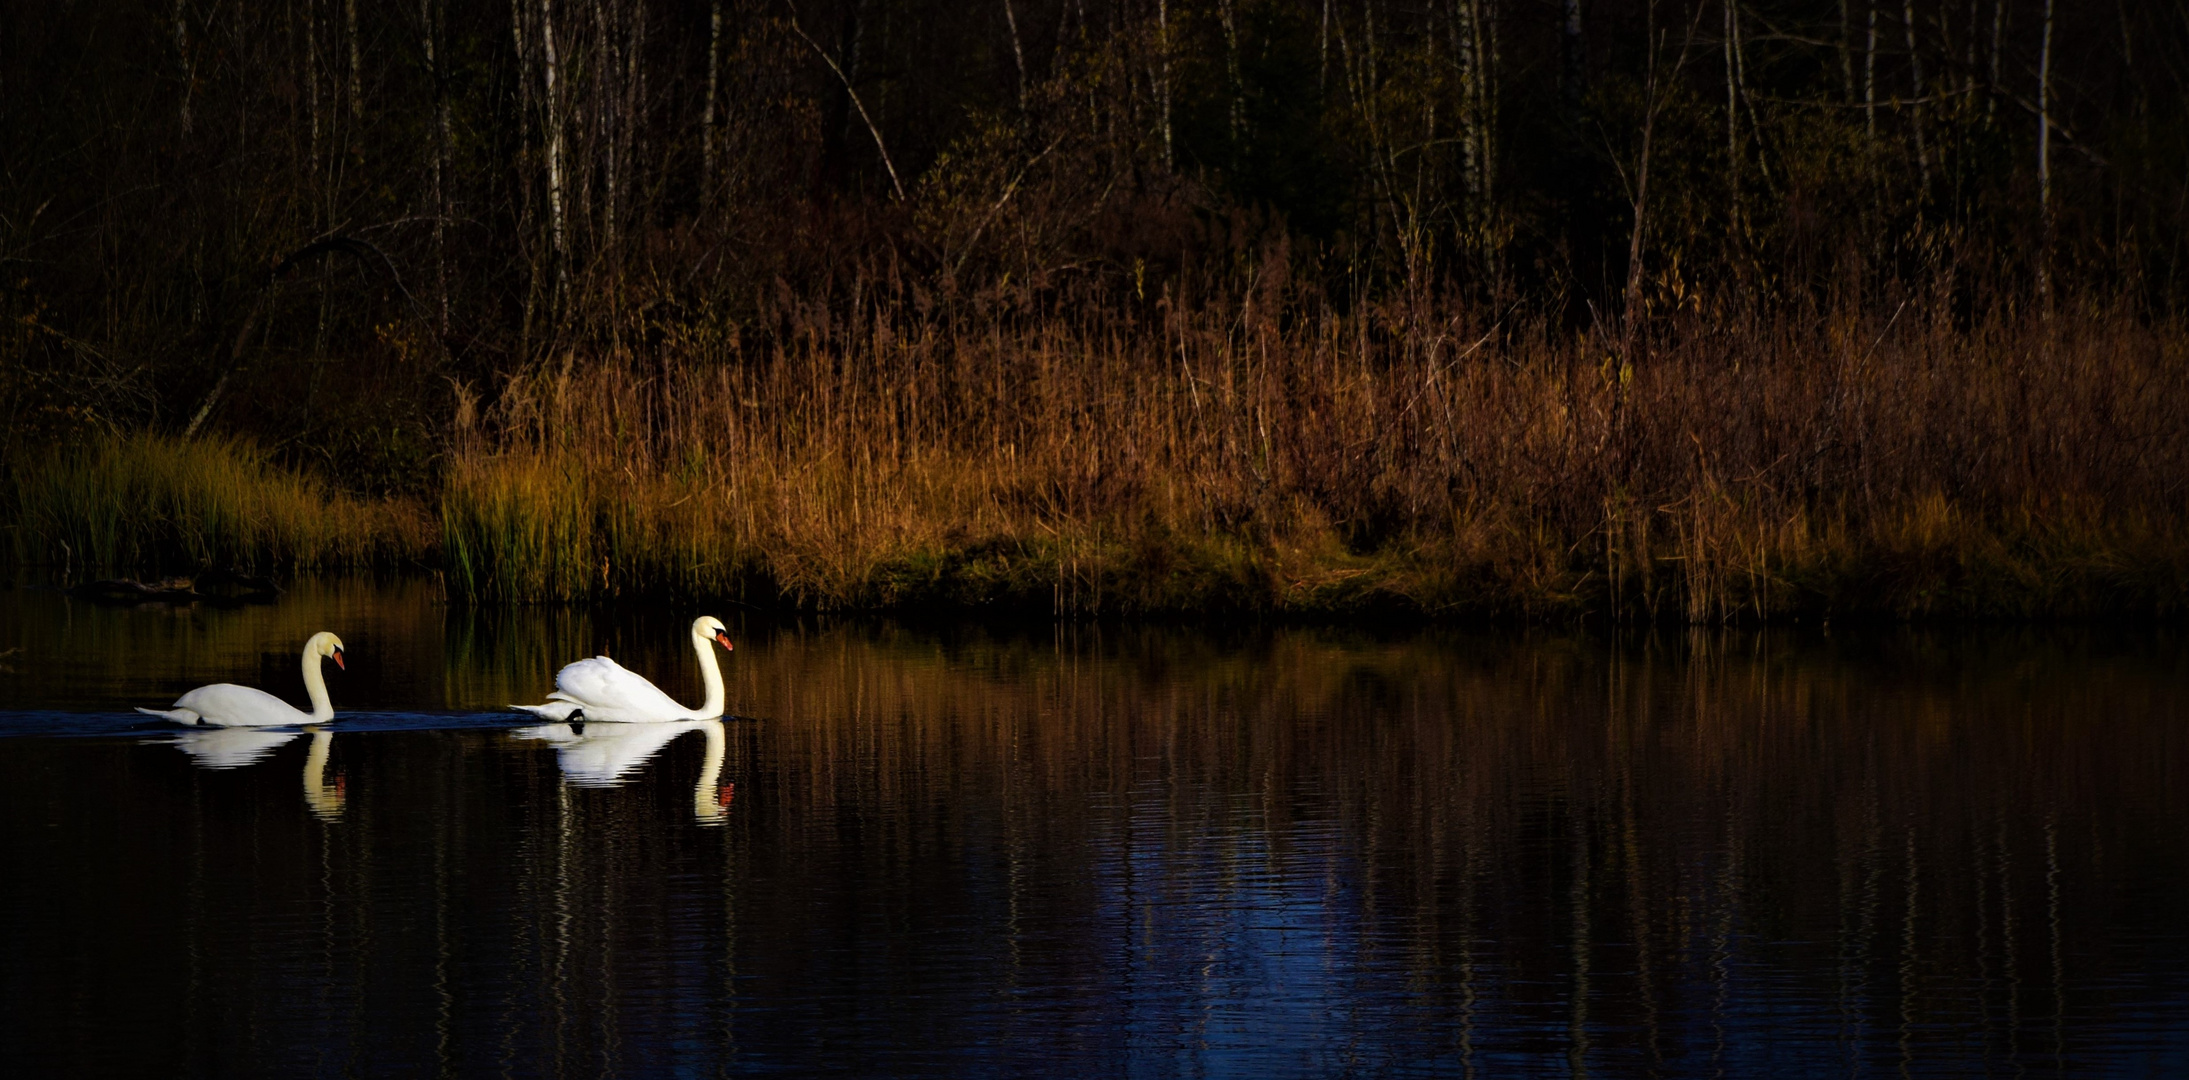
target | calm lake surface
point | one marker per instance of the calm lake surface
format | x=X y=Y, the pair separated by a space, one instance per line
x=1036 y=850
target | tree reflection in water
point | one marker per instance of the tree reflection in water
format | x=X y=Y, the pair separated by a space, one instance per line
x=1161 y=851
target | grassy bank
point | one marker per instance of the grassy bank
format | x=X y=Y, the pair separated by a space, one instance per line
x=1408 y=459
x=140 y=503
x=1181 y=460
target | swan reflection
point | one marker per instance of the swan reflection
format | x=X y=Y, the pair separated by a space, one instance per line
x=602 y=754
x=236 y=747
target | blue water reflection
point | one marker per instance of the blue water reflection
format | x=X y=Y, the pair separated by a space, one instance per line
x=1102 y=851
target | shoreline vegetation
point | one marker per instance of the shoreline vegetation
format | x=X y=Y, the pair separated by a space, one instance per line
x=1411 y=462
x=1680 y=311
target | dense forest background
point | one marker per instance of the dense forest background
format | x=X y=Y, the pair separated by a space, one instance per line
x=1552 y=296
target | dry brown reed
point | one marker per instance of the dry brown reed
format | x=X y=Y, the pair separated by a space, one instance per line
x=1275 y=455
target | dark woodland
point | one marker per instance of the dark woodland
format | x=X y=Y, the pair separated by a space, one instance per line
x=1654 y=309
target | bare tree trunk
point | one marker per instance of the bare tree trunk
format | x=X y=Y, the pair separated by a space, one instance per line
x=1869 y=77
x=1998 y=32
x=1632 y=314
x=1163 y=76
x=553 y=122
x=1487 y=64
x=1465 y=45
x=1322 y=70
x=608 y=124
x=714 y=67
x=311 y=76
x=850 y=91
x=182 y=59
x=2044 y=159
x=1920 y=88
x=1018 y=52
x=1968 y=55
x=1574 y=61
x=429 y=18
x=357 y=67
x=1235 y=113
x=1846 y=53
x=1732 y=122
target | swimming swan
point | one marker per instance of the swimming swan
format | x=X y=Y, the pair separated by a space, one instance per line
x=229 y=705
x=603 y=690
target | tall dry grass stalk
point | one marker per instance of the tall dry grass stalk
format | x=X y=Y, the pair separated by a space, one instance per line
x=1273 y=456
x=129 y=502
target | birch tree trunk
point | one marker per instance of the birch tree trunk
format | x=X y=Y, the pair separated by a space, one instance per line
x=1322 y=44
x=552 y=121
x=706 y=116
x=1018 y=52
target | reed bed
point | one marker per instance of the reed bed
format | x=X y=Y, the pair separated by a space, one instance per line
x=1285 y=458
x=122 y=503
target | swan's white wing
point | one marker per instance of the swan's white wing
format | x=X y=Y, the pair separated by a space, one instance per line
x=230 y=705
x=607 y=691
x=232 y=748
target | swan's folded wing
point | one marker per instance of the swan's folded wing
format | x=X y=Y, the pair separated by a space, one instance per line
x=247 y=706
x=604 y=686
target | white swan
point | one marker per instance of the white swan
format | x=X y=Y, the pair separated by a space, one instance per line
x=603 y=690
x=229 y=705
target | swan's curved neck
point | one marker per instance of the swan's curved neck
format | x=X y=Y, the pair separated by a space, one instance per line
x=710 y=670
x=315 y=685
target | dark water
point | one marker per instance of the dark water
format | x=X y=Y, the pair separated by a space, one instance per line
x=1094 y=851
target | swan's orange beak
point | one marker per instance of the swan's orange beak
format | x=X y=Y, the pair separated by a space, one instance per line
x=338 y=660
x=723 y=636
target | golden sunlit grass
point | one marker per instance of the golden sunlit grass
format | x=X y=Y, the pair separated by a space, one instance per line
x=120 y=503
x=1208 y=461
x=1401 y=460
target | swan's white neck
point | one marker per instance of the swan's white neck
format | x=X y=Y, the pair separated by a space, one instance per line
x=315 y=685
x=710 y=671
